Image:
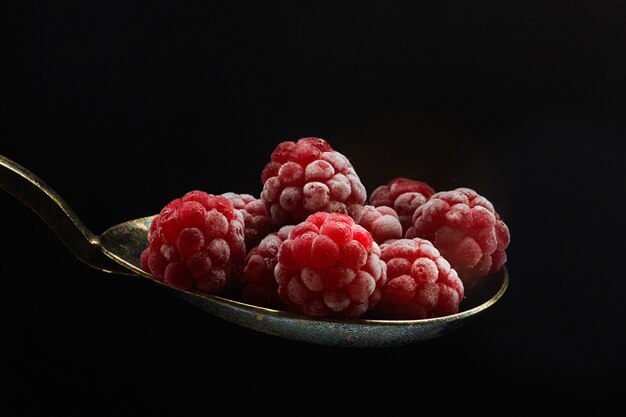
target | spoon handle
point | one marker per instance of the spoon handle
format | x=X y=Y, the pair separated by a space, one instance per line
x=50 y=207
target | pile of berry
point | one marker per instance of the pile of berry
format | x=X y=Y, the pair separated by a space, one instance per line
x=311 y=243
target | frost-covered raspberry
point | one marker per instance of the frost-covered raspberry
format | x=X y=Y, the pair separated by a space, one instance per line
x=420 y=282
x=308 y=176
x=257 y=223
x=467 y=231
x=258 y=285
x=196 y=241
x=329 y=267
x=404 y=195
x=382 y=222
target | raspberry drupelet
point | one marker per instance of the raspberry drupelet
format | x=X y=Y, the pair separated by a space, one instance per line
x=257 y=283
x=329 y=267
x=195 y=242
x=382 y=222
x=420 y=282
x=404 y=195
x=467 y=231
x=257 y=223
x=308 y=176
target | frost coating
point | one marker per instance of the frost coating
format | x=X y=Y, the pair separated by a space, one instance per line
x=466 y=230
x=404 y=195
x=382 y=222
x=258 y=284
x=307 y=176
x=419 y=282
x=329 y=267
x=196 y=241
x=256 y=220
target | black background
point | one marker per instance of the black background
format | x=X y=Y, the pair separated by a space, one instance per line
x=121 y=106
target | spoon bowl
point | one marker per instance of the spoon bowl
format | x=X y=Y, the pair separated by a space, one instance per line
x=118 y=250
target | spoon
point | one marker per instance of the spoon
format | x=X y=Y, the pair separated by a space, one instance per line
x=118 y=249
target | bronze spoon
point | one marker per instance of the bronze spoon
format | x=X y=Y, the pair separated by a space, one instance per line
x=118 y=250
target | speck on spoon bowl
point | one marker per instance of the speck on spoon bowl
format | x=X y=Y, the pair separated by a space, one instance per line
x=118 y=249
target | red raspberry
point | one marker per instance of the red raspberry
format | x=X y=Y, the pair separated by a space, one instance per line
x=258 y=285
x=420 y=282
x=404 y=195
x=382 y=222
x=196 y=241
x=330 y=267
x=257 y=223
x=466 y=230
x=308 y=176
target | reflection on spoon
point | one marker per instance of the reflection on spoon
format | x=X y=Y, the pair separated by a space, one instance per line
x=119 y=248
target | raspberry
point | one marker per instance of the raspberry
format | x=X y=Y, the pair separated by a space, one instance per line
x=382 y=222
x=258 y=285
x=257 y=223
x=196 y=241
x=329 y=267
x=308 y=176
x=420 y=282
x=404 y=195
x=466 y=230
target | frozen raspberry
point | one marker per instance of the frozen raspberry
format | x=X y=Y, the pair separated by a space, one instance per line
x=195 y=242
x=329 y=267
x=257 y=223
x=258 y=285
x=308 y=176
x=420 y=282
x=382 y=222
x=404 y=195
x=466 y=230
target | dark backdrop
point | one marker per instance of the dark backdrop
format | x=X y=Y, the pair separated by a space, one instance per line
x=121 y=106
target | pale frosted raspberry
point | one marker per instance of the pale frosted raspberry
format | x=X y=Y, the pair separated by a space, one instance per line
x=329 y=267
x=420 y=282
x=467 y=231
x=257 y=223
x=404 y=195
x=308 y=176
x=196 y=241
x=382 y=222
x=258 y=285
